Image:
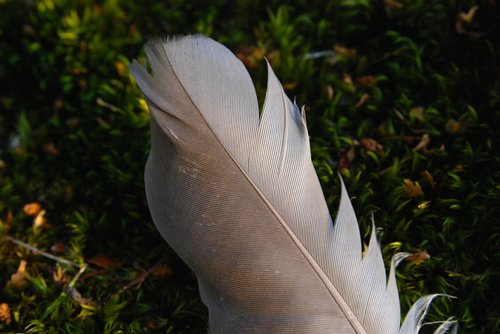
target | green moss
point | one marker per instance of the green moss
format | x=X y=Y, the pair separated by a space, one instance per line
x=405 y=90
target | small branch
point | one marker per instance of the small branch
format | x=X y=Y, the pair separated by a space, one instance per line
x=45 y=254
x=142 y=276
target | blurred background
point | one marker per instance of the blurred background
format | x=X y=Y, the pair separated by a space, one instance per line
x=402 y=98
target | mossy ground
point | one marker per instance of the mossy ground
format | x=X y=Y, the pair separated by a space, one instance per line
x=404 y=102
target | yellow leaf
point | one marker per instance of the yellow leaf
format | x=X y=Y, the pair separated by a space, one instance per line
x=18 y=279
x=121 y=68
x=413 y=188
x=5 y=315
x=40 y=221
x=32 y=209
x=423 y=204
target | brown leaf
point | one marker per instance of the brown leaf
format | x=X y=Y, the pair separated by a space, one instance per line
x=58 y=104
x=329 y=92
x=18 y=279
x=418 y=113
x=413 y=188
x=346 y=158
x=428 y=177
x=289 y=85
x=346 y=52
x=249 y=56
x=368 y=81
x=58 y=248
x=362 y=100
x=465 y=18
x=370 y=144
x=6 y=223
x=424 y=141
x=419 y=256
x=59 y=276
x=273 y=56
x=393 y=4
x=161 y=270
x=50 y=148
x=72 y=122
x=453 y=126
x=32 y=209
x=5 y=314
x=104 y=261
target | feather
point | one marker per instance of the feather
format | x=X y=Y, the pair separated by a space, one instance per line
x=236 y=196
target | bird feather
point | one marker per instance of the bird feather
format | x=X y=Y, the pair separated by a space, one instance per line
x=235 y=194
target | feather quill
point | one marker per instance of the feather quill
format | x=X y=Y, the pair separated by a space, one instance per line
x=236 y=195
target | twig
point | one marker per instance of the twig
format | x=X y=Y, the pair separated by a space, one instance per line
x=38 y=251
x=142 y=276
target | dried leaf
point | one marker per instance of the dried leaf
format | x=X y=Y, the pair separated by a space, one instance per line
x=104 y=261
x=273 y=56
x=58 y=104
x=346 y=158
x=362 y=100
x=257 y=53
x=469 y=16
x=5 y=314
x=465 y=18
x=368 y=81
x=418 y=113
x=59 y=276
x=18 y=279
x=419 y=256
x=68 y=192
x=83 y=302
x=346 y=52
x=32 y=209
x=72 y=122
x=329 y=92
x=50 y=148
x=5 y=225
x=40 y=221
x=161 y=270
x=249 y=56
x=422 y=205
x=393 y=4
x=428 y=177
x=58 y=248
x=121 y=68
x=370 y=144
x=413 y=188
x=424 y=141
x=453 y=126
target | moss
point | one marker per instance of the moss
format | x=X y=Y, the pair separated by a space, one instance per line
x=404 y=102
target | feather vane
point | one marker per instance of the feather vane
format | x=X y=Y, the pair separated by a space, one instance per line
x=237 y=197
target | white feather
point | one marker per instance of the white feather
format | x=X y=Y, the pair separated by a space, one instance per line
x=239 y=200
